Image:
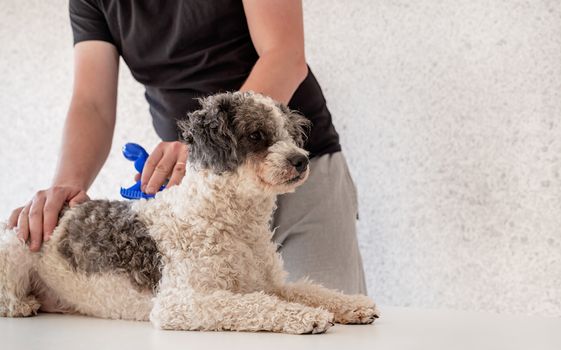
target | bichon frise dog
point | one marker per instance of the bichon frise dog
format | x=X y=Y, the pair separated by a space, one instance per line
x=197 y=257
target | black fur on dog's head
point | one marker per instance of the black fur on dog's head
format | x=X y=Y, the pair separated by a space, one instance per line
x=234 y=128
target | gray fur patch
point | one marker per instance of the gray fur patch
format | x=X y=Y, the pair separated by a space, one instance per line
x=107 y=236
x=209 y=133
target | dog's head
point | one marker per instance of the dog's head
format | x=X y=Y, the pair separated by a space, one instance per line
x=250 y=134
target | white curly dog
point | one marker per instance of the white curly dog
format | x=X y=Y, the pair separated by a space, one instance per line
x=197 y=257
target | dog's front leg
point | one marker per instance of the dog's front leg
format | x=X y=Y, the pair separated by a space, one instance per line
x=223 y=310
x=351 y=309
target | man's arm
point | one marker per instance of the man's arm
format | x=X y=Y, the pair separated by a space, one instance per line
x=277 y=32
x=86 y=141
x=89 y=127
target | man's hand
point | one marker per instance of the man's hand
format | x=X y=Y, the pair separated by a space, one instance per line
x=36 y=221
x=167 y=161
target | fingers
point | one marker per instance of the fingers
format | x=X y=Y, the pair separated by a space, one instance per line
x=168 y=160
x=53 y=205
x=161 y=172
x=35 y=221
x=137 y=177
x=13 y=219
x=151 y=163
x=179 y=169
x=23 y=223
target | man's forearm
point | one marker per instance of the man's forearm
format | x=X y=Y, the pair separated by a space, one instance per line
x=85 y=145
x=276 y=75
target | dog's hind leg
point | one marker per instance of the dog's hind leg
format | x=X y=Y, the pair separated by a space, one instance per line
x=16 y=262
x=349 y=309
x=224 y=310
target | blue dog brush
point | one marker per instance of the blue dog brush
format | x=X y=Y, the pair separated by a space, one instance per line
x=134 y=152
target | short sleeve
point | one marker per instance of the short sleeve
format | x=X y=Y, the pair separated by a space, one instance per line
x=88 y=21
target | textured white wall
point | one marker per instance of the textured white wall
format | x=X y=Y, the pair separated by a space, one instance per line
x=449 y=113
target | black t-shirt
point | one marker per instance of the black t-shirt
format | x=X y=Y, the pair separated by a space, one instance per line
x=184 y=49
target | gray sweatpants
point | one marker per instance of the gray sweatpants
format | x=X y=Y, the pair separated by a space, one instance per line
x=316 y=227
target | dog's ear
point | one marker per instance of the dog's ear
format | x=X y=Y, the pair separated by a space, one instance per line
x=210 y=135
x=301 y=128
x=298 y=126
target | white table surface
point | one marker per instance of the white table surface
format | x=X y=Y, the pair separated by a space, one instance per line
x=398 y=328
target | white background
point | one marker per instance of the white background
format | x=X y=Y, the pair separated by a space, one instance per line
x=449 y=114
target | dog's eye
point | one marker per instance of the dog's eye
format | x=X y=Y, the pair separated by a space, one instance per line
x=256 y=136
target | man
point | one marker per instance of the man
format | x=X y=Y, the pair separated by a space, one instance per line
x=181 y=50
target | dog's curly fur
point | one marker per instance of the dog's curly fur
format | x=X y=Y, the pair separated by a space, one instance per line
x=200 y=255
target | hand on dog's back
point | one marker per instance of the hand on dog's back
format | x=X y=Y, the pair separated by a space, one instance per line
x=36 y=220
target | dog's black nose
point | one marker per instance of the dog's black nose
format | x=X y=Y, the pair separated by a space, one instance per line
x=299 y=162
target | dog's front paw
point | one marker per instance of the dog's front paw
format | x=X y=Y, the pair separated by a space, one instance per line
x=310 y=321
x=358 y=309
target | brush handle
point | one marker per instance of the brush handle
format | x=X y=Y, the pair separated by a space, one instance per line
x=136 y=153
